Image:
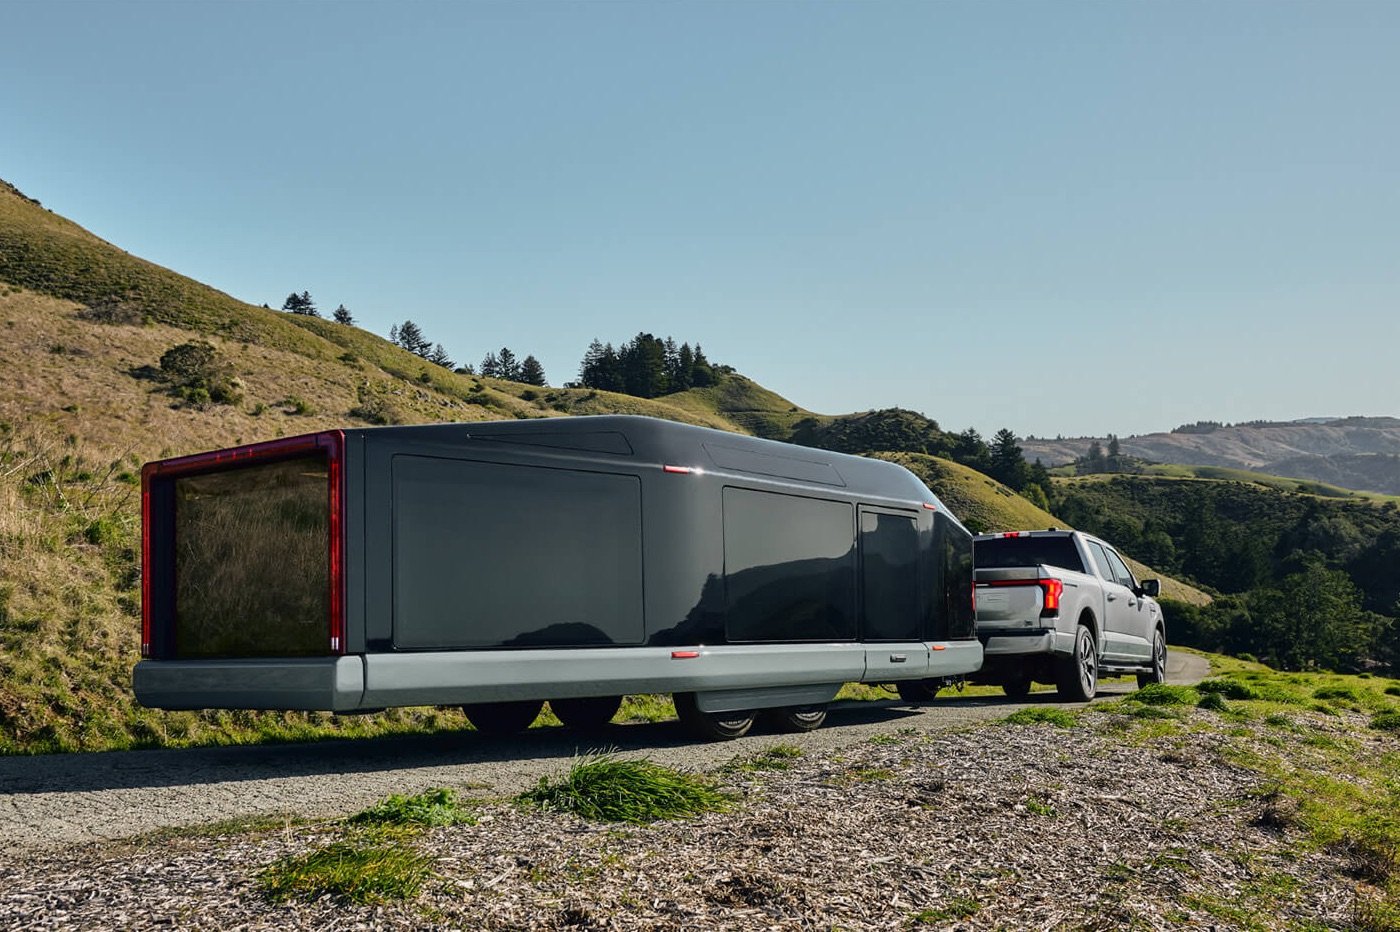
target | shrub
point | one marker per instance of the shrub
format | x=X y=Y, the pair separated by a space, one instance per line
x=197 y=377
x=607 y=789
x=112 y=311
x=1386 y=721
x=1393 y=690
x=1336 y=692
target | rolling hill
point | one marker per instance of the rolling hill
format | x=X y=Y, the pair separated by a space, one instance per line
x=85 y=399
x=1355 y=452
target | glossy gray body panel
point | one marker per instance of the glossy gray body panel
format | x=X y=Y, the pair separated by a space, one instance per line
x=464 y=586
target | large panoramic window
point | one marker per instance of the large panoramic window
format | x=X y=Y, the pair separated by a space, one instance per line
x=252 y=561
x=789 y=567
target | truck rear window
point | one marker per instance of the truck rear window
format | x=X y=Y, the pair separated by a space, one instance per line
x=252 y=563
x=999 y=553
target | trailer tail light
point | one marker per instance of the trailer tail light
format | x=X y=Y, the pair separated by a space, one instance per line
x=145 y=564
x=1053 y=589
x=682 y=470
x=684 y=654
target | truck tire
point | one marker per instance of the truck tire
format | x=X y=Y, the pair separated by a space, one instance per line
x=917 y=690
x=503 y=718
x=590 y=714
x=1158 y=673
x=711 y=726
x=795 y=719
x=1078 y=674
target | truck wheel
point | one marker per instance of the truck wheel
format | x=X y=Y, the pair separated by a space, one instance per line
x=1079 y=672
x=1158 y=673
x=711 y=726
x=1018 y=686
x=503 y=718
x=796 y=718
x=590 y=714
x=917 y=690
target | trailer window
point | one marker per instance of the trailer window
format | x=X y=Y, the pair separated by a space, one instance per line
x=956 y=546
x=252 y=565
x=1007 y=552
x=889 y=551
x=491 y=555
x=789 y=567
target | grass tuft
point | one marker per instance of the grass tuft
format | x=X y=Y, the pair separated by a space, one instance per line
x=1229 y=689
x=1214 y=702
x=1386 y=721
x=433 y=807
x=1165 y=694
x=362 y=871
x=607 y=789
x=959 y=907
x=1037 y=715
x=778 y=757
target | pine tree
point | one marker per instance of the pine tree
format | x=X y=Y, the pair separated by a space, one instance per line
x=394 y=334
x=702 y=373
x=490 y=366
x=342 y=315
x=510 y=366
x=411 y=338
x=301 y=304
x=684 y=376
x=439 y=357
x=1008 y=463
x=531 y=372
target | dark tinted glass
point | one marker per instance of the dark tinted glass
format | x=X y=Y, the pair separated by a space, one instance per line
x=489 y=555
x=957 y=579
x=1004 y=552
x=252 y=561
x=889 y=551
x=1121 y=574
x=789 y=566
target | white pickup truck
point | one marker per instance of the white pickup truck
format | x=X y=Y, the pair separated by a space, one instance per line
x=1062 y=607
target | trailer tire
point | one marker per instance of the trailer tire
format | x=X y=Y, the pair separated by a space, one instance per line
x=917 y=690
x=590 y=714
x=1077 y=676
x=795 y=719
x=712 y=726
x=1018 y=686
x=503 y=718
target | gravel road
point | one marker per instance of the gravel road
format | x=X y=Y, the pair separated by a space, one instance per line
x=54 y=801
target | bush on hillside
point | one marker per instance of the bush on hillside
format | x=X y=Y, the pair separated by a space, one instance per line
x=198 y=376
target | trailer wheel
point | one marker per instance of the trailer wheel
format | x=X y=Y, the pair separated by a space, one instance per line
x=917 y=690
x=1078 y=674
x=1018 y=686
x=712 y=726
x=798 y=718
x=590 y=714
x=503 y=718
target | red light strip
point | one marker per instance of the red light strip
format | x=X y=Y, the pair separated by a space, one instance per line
x=930 y=506
x=679 y=470
x=684 y=654
x=334 y=443
x=146 y=562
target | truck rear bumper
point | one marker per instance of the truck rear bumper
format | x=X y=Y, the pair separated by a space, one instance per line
x=1034 y=641
x=331 y=684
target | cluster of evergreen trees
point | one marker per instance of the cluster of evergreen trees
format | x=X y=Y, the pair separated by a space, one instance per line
x=410 y=336
x=506 y=365
x=646 y=367
x=302 y=304
x=1307 y=582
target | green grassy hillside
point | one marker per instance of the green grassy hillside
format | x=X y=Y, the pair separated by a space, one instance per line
x=1228 y=474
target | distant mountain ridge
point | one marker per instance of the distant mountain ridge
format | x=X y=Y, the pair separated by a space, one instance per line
x=1354 y=452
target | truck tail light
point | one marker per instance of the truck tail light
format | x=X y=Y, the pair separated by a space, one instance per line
x=1053 y=589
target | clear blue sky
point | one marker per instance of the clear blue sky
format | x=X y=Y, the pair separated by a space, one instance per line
x=1059 y=218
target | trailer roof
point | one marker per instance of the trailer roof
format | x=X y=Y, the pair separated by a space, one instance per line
x=647 y=440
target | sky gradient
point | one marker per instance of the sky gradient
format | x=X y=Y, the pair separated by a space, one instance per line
x=1071 y=218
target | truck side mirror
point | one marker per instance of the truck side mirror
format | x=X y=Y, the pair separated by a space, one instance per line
x=1152 y=587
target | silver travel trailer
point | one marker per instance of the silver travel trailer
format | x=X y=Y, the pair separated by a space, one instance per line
x=576 y=560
